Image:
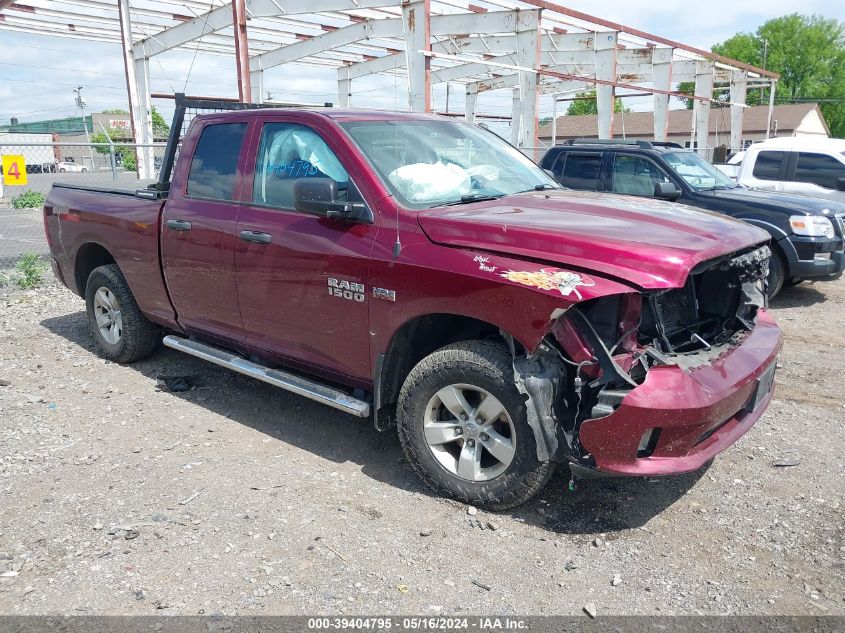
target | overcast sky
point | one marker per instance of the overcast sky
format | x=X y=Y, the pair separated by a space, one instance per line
x=39 y=73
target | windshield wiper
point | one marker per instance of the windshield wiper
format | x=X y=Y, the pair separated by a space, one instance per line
x=474 y=197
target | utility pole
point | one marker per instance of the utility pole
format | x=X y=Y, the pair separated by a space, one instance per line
x=81 y=103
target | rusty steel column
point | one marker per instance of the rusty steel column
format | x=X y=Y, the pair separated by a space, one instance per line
x=241 y=50
x=416 y=26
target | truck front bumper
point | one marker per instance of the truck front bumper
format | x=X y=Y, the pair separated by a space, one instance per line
x=817 y=258
x=696 y=413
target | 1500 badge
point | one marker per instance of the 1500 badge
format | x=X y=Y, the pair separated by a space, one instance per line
x=349 y=290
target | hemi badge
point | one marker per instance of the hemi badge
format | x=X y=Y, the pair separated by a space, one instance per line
x=384 y=293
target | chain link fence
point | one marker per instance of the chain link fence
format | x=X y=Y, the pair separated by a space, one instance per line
x=93 y=164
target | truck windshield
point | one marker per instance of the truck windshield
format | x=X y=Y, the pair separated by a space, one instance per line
x=700 y=174
x=428 y=163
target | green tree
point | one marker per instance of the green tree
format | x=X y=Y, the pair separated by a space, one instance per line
x=587 y=103
x=125 y=155
x=160 y=126
x=809 y=54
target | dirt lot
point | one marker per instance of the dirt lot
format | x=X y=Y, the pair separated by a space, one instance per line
x=236 y=498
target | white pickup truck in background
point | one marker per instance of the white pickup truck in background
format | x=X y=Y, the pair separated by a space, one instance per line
x=806 y=166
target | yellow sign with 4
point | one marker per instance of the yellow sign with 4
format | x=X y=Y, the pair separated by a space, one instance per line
x=14 y=170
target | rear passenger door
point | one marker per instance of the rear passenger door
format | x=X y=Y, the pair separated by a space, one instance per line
x=580 y=170
x=815 y=174
x=198 y=234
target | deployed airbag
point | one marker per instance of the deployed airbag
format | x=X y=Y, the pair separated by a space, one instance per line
x=423 y=181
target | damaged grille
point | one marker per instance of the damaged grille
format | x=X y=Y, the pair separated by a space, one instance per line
x=719 y=299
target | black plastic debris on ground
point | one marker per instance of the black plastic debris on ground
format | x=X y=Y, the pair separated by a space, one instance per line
x=176 y=383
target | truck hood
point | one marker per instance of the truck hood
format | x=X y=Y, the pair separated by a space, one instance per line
x=648 y=243
x=788 y=202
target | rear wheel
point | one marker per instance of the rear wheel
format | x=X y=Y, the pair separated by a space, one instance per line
x=122 y=333
x=463 y=426
x=777 y=274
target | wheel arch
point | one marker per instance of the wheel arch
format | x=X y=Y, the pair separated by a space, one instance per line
x=417 y=338
x=89 y=256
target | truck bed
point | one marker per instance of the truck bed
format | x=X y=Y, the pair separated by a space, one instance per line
x=79 y=218
x=118 y=190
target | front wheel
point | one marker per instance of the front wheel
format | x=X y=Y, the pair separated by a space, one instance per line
x=121 y=331
x=464 y=429
x=777 y=274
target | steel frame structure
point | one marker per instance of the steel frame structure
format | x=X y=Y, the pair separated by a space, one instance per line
x=531 y=47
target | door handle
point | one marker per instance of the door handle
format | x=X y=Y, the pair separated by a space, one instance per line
x=256 y=237
x=178 y=225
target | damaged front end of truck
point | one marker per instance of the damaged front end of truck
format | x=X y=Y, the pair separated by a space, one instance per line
x=651 y=382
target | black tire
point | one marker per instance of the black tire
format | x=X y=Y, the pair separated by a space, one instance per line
x=777 y=274
x=137 y=337
x=484 y=365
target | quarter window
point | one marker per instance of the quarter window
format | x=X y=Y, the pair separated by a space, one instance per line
x=819 y=169
x=767 y=166
x=289 y=152
x=582 y=171
x=215 y=161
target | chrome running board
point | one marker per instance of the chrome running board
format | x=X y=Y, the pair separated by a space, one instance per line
x=290 y=382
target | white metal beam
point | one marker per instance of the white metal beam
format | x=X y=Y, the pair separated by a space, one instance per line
x=772 y=88
x=146 y=168
x=390 y=27
x=268 y=8
x=701 y=108
x=221 y=17
x=662 y=62
x=442 y=26
x=528 y=56
x=256 y=81
x=137 y=114
x=193 y=29
x=471 y=102
x=516 y=117
x=605 y=48
x=739 y=90
x=416 y=26
x=344 y=87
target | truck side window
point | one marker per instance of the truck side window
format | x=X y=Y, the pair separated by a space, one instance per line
x=819 y=169
x=582 y=171
x=635 y=175
x=767 y=165
x=215 y=161
x=288 y=152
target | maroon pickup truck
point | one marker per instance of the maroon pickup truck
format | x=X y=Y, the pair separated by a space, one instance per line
x=424 y=274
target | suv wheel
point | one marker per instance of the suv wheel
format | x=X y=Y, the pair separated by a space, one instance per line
x=122 y=333
x=463 y=426
x=777 y=274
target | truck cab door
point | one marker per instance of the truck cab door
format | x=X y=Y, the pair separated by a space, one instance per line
x=302 y=278
x=768 y=169
x=198 y=234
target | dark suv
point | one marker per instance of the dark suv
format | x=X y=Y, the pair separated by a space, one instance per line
x=807 y=233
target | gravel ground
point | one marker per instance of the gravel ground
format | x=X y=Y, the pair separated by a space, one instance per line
x=118 y=496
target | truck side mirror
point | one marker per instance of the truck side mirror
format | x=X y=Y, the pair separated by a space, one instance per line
x=667 y=191
x=319 y=196
x=840 y=184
